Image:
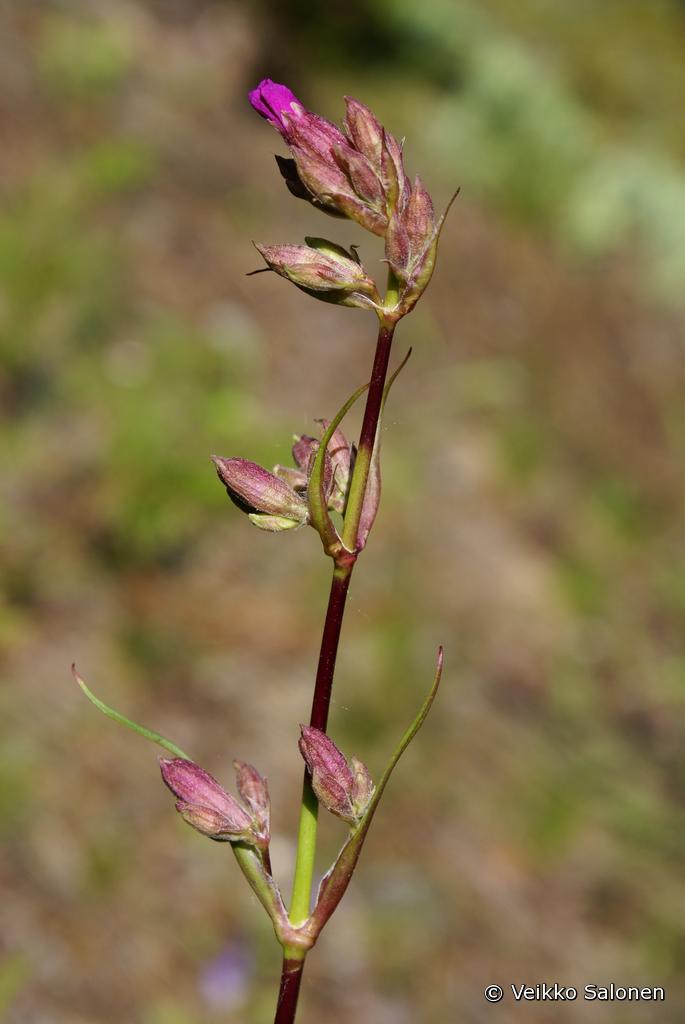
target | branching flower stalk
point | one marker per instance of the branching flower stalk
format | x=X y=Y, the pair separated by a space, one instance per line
x=358 y=173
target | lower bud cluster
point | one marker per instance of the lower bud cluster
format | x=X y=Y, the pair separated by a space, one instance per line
x=278 y=501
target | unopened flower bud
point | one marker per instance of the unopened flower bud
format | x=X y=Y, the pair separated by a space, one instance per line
x=362 y=786
x=296 y=186
x=330 y=184
x=419 y=218
x=362 y=177
x=340 y=454
x=364 y=130
x=393 y=177
x=204 y=804
x=372 y=497
x=324 y=270
x=304 y=451
x=319 y=265
x=254 y=793
x=321 y=178
x=268 y=500
x=343 y=789
x=411 y=244
x=410 y=232
x=397 y=248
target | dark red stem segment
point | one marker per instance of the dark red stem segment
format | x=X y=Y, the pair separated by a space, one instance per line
x=329 y=647
x=291 y=976
x=376 y=385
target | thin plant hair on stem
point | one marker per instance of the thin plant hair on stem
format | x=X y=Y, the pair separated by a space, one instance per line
x=355 y=172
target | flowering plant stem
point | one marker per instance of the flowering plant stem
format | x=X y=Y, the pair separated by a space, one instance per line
x=359 y=174
x=300 y=908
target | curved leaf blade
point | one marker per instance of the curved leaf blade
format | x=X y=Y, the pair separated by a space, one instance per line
x=149 y=734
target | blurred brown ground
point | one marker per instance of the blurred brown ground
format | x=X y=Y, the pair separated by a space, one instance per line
x=532 y=522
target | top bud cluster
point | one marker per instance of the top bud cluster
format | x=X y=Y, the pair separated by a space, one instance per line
x=356 y=173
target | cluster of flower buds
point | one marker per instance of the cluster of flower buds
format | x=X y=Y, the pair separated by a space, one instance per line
x=343 y=787
x=207 y=806
x=278 y=501
x=356 y=173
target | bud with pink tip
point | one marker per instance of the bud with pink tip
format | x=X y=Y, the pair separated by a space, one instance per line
x=269 y=501
x=343 y=788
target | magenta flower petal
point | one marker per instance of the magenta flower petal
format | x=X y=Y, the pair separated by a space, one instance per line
x=272 y=100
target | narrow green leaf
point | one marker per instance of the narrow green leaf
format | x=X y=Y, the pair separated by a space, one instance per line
x=149 y=734
x=404 y=743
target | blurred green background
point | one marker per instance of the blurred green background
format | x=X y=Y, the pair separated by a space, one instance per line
x=532 y=517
